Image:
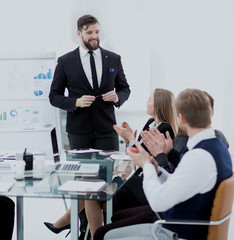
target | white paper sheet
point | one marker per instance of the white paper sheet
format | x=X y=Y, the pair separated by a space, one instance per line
x=82 y=186
x=120 y=157
x=90 y=150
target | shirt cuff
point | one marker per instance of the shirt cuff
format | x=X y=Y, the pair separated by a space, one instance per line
x=117 y=104
x=164 y=175
x=132 y=143
x=161 y=158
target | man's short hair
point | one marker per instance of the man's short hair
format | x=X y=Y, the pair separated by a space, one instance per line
x=211 y=99
x=195 y=107
x=84 y=22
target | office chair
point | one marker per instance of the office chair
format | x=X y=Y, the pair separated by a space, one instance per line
x=218 y=223
x=220 y=212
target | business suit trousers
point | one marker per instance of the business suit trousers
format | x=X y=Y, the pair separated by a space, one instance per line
x=7 y=215
x=130 y=195
x=103 y=141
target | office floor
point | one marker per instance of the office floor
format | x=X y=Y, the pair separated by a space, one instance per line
x=36 y=211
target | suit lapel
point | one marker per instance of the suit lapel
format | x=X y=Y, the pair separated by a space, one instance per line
x=79 y=69
x=105 y=64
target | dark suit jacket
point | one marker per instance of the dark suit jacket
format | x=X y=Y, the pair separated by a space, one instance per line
x=163 y=128
x=70 y=74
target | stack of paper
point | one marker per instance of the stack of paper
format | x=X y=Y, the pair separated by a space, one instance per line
x=90 y=150
x=82 y=186
x=120 y=157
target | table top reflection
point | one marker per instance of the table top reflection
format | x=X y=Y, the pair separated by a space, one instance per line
x=114 y=173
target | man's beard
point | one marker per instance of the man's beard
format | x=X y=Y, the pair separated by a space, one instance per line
x=89 y=46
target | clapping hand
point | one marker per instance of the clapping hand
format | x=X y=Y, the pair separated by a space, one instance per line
x=139 y=158
x=168 y=143
x=125 y=132
x=156 y=142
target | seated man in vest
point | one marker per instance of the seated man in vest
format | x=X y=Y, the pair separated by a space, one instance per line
x=189 y=192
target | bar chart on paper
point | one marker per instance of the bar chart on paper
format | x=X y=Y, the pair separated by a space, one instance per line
x=24 y=94
x=48 y=75
x=3 y=116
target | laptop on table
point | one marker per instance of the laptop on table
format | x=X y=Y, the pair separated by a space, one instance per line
x=71 y=167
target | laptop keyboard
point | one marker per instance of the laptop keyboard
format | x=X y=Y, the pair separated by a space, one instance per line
x=68 y=167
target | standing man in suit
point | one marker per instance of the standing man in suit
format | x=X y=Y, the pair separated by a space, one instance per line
x=96 y=83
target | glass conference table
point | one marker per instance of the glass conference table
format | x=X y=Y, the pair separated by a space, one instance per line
x=112 y=171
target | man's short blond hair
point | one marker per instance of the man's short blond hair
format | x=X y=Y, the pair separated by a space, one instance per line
x=195 y=107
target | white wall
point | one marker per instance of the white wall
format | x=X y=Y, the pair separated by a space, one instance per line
x=174 y=44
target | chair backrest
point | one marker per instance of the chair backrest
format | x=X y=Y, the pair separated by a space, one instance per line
x=222 y=206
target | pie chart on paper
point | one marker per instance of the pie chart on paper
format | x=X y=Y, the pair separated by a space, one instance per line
x=38 y=93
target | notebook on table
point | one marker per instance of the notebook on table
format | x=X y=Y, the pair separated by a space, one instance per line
x=73 y=167
x=83 y=186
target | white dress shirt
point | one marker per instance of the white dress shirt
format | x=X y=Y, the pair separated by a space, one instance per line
x=85 y=60
x=196 y=173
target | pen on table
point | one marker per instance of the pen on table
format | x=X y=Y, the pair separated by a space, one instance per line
x=6 y=158
x=11 y=188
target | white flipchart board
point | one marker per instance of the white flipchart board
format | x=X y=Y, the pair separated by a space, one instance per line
x=26 y=116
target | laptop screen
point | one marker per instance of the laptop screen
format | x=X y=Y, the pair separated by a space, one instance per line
x=54 y=145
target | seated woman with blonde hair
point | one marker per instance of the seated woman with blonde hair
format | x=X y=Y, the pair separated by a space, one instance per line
x=161 y=108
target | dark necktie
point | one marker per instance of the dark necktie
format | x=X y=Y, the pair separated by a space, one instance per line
x=93 y=70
